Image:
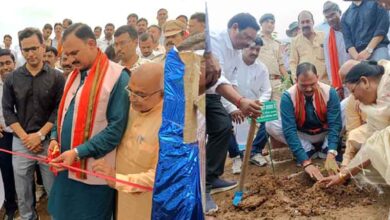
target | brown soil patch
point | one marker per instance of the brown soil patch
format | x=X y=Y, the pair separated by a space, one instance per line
x=277 y=197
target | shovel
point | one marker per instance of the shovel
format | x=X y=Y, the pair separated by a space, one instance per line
x=239 y=193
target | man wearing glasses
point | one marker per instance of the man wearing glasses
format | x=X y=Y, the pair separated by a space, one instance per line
x=137 y=154
x=369 y=84
x=92 y=117
x=30 y=101
x=310 y=120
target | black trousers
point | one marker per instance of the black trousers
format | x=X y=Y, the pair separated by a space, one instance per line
x=7 y=173
x=219 y=131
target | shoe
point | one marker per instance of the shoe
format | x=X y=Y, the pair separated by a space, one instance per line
x=314 y=156
x=39 y=193
x=236 y=167
x=258 y=160
x=219 y=185
x=9 y=215
x=322 y=155
x=211 y=207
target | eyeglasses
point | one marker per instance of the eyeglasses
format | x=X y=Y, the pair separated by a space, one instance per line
x=32 y=49
x=140 y=96
x=356 y=84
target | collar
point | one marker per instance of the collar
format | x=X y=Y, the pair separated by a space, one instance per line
x=353 y=5
x=156 y=108
x=45 y=69
x=227 y=40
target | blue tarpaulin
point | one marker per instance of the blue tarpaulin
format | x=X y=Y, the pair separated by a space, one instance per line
x=177 y=193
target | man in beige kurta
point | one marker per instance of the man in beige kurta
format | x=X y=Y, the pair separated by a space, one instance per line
x=373 y=138
x=137 y=154
x=308 y=46
x=377 y=116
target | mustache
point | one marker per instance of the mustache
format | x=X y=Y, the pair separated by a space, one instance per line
x=169 y=43
x=75 y=63
x=67 y=66
x=306 y=28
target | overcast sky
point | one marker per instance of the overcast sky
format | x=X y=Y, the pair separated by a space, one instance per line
x=23 y=13
x=285 y=11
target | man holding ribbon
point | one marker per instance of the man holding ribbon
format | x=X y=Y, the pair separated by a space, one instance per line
x=91 y=120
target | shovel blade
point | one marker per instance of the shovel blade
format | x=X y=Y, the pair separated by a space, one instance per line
x=237 y=198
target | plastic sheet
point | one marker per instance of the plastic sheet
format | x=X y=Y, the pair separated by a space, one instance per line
x=177 y=193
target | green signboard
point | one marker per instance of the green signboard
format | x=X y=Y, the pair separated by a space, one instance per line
x=269 y=112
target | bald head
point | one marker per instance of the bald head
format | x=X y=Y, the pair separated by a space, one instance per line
x=346 y=67
x=146 y=86
x=149 y=76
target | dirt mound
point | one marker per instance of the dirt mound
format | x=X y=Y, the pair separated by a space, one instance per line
x=271 y=196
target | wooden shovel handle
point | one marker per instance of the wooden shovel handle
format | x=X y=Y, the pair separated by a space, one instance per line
x=248 y=149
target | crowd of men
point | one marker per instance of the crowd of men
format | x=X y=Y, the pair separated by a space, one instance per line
x=70 y=99
x=330 y=81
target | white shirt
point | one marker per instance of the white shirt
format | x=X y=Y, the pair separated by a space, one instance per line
x=253 y=83
x=2 y=121
x=151 y=56
x=104 y=43
x=228 y=57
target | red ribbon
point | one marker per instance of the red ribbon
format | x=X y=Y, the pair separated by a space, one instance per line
x=98 y=175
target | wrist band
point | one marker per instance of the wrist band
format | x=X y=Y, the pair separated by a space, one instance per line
x=239 y=102
x=304 y=167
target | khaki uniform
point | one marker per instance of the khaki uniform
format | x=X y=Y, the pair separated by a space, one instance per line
x=270 y=54
x=303 y=50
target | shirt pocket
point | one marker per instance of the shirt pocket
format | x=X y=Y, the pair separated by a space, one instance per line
x=254 y=85
x=319 y=52
x=147 y=153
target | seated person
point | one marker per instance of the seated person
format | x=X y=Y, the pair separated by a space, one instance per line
x=137 y=154
x=310 y=119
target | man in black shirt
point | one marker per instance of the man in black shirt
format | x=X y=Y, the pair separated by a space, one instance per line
x=31 y=96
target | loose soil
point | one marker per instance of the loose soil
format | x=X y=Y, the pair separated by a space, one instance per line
x=269 y=196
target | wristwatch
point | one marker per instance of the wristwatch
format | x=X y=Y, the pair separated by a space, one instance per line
x=43 y=137
x=342 y=175
x=77 y=154
x=370 y=50
x=334 y=152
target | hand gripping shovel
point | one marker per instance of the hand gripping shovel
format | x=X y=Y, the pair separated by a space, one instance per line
x=239 y=193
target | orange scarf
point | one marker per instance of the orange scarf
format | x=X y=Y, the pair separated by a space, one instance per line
x=319 y=105
x=334 y=60
x=87 y=105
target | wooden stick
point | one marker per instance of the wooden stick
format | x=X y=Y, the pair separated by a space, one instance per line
x=247 y=155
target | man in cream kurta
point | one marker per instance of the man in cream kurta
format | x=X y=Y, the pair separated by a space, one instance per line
x=377 y=116
x=137 y=154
